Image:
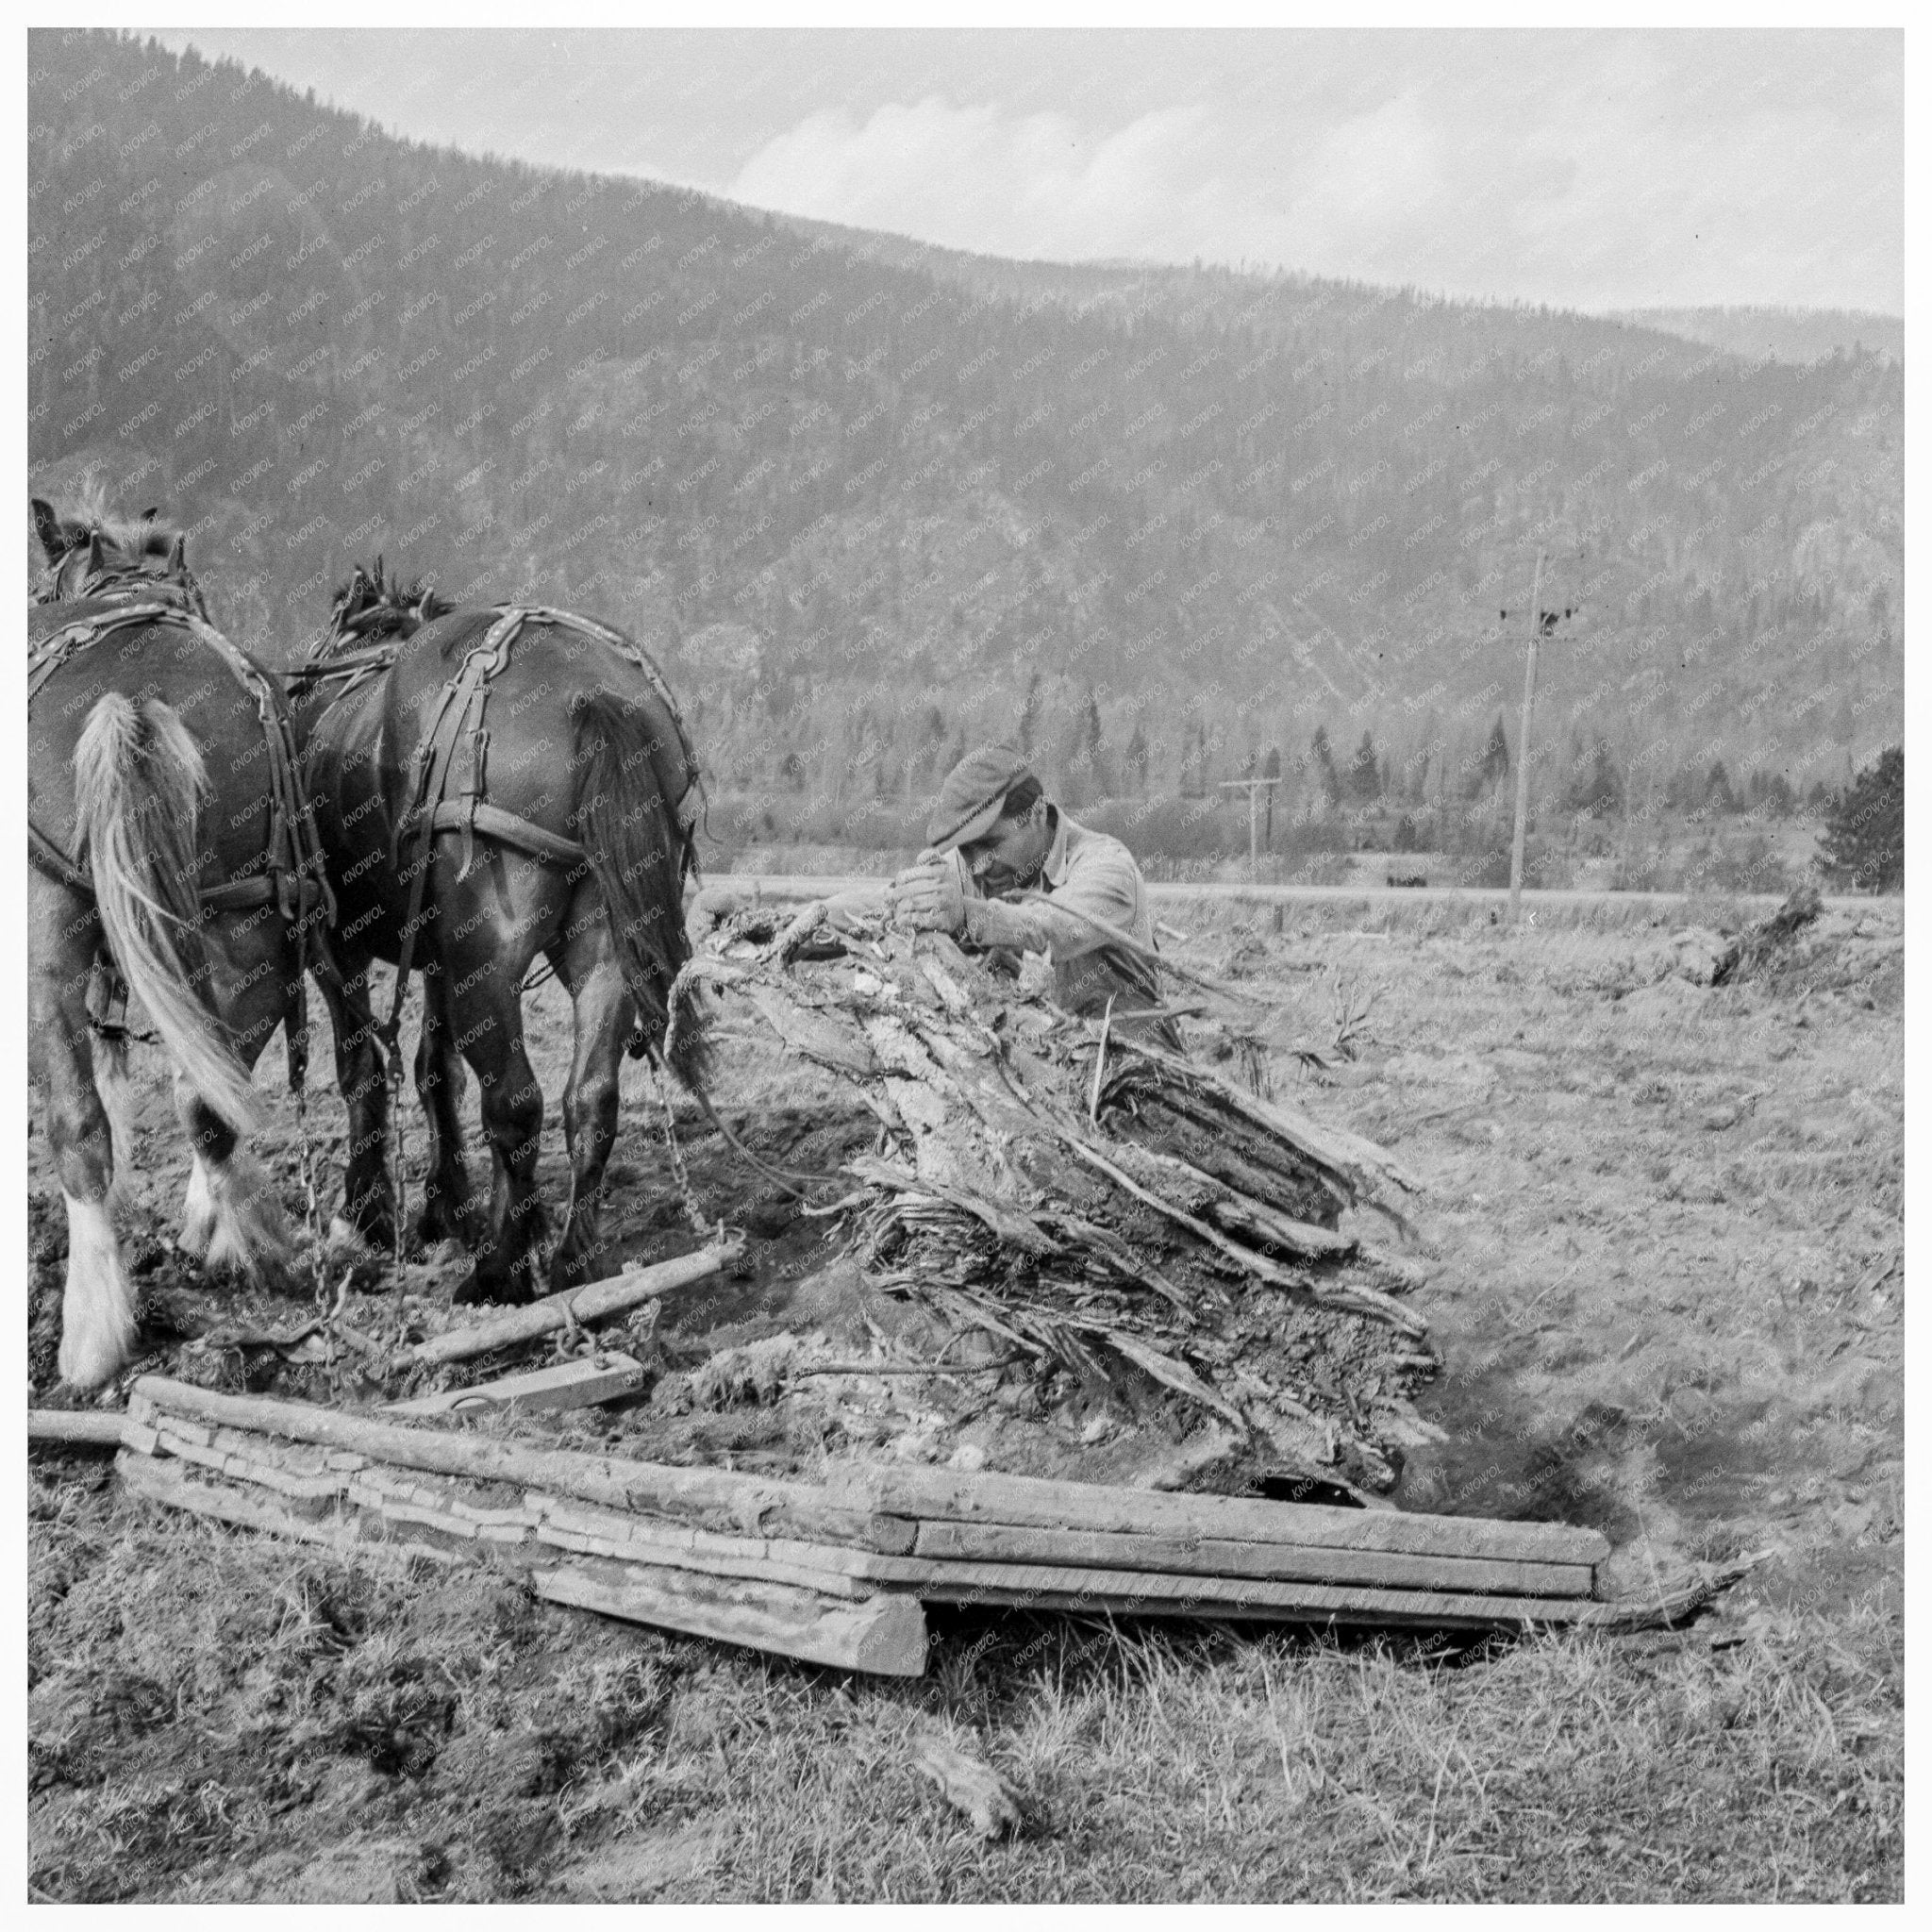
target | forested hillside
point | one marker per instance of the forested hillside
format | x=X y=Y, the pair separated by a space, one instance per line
x=870 y=502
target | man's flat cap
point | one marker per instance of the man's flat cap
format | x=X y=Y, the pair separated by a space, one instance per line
x=970 y=800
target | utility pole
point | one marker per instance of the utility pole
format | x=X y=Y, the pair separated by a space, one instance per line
x=1535 y=624
x=1523 y=746
x=1255 y=788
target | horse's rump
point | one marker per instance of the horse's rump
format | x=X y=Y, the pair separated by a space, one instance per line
x=155 y=659
x=257 y=841
x=523 y=728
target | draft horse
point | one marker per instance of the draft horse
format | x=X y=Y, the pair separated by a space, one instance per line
x=492 y=785
x=170 y=859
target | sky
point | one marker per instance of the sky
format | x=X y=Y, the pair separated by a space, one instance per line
x=1593 y=170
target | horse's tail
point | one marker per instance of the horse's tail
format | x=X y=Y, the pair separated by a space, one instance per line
x=138 y=785
x=631 y=773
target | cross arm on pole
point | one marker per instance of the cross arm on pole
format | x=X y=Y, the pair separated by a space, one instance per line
x=1254 y=788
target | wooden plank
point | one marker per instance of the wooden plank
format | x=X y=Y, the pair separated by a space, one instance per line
x=472 y=1512
x=187 y=1450
x=163 y=1480
x=398 y=1501
x=949 y=1555
x=649 y=1540
x=292 y=1458
x=591 y=1303
x=748 y=1568
x=877 y=1635
x=726 y=1498
x=884 y=1635
x=364 y=1517
x=1056 y=1587
x=305 y=1495
x=75 y=1428
x=1203 y=1557
x=1402 y=1611
x=562 y=1384
x=183 y=1426
x=876 y=1507
x=942 y=1495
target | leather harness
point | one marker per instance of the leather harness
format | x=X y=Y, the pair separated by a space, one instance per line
x=123 y=581
x=457 y=732
x=294 y=877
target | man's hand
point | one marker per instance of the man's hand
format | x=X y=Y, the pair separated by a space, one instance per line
x=929 y=896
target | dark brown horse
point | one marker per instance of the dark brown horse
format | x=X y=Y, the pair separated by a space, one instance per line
x=170 y=860
x=491 y=786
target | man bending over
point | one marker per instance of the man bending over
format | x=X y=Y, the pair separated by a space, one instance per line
x=994 y=834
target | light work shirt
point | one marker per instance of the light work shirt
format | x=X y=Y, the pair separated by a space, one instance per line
x=1086 y=873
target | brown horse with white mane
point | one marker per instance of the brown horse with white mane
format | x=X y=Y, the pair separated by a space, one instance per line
x=171 y=859
x=491 y=786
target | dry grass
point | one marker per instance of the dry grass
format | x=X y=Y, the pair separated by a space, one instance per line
x=277 y=1707
x=1663 y=1225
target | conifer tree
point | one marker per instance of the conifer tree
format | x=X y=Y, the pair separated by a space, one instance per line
x=1863 y=843
x=1324 y=765
x=1365 y=773
x=1494 y=768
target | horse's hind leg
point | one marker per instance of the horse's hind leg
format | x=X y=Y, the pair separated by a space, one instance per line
x=605 y=1014
x=368 y=1201
x=483 y=972
x=489 y=1019
x=446 y=1206
x=111 y=1082
x=231 y=1218
x=98 y=1326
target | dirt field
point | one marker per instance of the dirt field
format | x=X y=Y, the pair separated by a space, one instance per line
x=1664 y=1241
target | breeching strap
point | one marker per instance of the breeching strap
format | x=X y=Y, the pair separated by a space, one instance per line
x=458 y=718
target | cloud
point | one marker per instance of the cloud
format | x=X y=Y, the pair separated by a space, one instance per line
x=973 y=178
x=1584 y=169
x=1633 y=179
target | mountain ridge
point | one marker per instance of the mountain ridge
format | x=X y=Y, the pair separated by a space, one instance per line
x=1784 y=335
x=868 y=508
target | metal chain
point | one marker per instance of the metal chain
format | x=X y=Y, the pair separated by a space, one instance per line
x=398 y=1179
x=311 y=1213
x=692 y=1212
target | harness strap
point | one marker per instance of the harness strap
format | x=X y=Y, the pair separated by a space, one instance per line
x=434 y=752
x=45 y=655
x=257 y=889
x=107 y=1004
x=506 y=828
x=294 y=877
x=472 y=785
x=688 y=807
x=46 y=856
x=122 y=580
x=352 y=669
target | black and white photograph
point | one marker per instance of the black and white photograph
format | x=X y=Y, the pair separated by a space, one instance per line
x=964 y=964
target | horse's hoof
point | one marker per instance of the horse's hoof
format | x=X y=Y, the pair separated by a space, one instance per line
x=372 y=1220
x=439 y=1223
